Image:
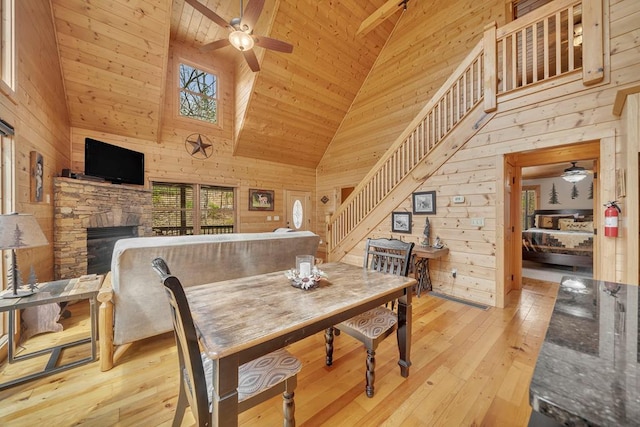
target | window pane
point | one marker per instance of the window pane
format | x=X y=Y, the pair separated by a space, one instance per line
x=172 y=209
x=216 y=210
x=529 y=204
x=7 y=43
x=198 y=107
x=198 y=94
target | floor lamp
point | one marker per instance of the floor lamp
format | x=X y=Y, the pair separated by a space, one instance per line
x=19 y=231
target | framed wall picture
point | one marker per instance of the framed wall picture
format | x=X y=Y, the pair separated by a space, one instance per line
x=401 y=222
x=261 y=200
x=424 y=202
x=37 y=177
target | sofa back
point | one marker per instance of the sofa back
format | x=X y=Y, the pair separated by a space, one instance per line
x=141 y=306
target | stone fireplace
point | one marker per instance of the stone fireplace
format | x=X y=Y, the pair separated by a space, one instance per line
x=107 y=210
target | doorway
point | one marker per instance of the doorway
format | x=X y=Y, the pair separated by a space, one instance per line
x=553 y=161
x=298 y=210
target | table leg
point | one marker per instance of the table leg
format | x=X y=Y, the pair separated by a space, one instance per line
x=404 y=332
x=225 y=392
x=94 y=326
x=424 y=279
x=52 y=366
x=426 y=285
x=12 y=345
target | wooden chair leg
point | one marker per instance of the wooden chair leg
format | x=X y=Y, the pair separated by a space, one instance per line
x=328 y=343
x=181 y=406
x=288 y=409
x=371 y=375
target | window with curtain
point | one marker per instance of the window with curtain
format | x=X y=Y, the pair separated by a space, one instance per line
x=530 y=201
x=184 y=209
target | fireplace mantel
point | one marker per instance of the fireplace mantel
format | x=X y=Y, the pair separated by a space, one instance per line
x=81 y=204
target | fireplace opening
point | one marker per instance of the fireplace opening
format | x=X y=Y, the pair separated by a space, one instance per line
x=100 y=243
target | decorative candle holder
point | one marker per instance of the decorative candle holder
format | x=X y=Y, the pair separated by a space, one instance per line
x=306 y=275
x=304 y=265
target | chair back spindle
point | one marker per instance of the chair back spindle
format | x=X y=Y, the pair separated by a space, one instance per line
x=388 y=256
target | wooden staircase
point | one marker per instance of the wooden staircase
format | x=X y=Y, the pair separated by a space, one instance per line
x=542 y=45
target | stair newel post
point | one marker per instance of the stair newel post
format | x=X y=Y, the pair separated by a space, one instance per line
x=490 y=67
x=593 y=45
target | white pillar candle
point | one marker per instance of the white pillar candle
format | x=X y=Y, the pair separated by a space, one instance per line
x=305 y=269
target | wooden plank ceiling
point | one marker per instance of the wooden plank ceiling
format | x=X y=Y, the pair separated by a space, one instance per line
x=114 y=56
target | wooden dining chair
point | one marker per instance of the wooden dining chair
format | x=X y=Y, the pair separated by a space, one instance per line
x=387 y=256
x=258 y=380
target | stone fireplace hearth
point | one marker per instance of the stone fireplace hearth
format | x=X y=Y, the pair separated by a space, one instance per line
x=80 y=205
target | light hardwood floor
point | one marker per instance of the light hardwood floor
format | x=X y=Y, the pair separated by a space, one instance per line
x=471 y=367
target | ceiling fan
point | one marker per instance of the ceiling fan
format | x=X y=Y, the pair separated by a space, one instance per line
x=241 y=32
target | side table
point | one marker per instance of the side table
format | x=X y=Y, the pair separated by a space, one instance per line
x=422 y=256
x=85 y=287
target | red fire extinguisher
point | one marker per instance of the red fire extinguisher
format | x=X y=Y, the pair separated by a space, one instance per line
x=611 y=219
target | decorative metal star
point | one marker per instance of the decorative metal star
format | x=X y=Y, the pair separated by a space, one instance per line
x=197 y=145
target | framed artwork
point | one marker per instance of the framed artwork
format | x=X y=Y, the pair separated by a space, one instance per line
x=37 y=177
x=424 y=202
x=621 y=178
x=260 y=200
x=401 y=222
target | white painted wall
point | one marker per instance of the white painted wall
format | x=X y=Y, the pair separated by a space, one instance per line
x=563 y=188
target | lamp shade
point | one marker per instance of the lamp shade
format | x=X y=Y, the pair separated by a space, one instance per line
x=241 y=40
x=574 y=173
x=20 y=231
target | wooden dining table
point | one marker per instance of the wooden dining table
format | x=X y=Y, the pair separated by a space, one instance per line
x=242 y=319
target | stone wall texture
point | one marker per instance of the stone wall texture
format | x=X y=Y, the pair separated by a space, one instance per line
x=81 y=204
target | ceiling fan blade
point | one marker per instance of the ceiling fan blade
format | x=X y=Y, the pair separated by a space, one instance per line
x=380 y=15
x=215 y=45
x=251 y=14
x=252 y=60
x=273 y=44
x=208 y=13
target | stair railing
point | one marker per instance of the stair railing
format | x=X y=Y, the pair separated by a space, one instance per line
x=543 y=44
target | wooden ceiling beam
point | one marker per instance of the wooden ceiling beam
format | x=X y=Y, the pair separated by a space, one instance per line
x=377 y=17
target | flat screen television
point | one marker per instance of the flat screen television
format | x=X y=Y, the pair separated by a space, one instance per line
x=112 y=163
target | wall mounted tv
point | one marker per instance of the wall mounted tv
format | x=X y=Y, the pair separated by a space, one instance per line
x=112 y=163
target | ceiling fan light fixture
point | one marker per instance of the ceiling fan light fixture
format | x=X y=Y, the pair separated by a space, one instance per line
x=574 y=173
x=241 y=40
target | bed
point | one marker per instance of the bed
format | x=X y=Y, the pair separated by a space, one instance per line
x=560 y=237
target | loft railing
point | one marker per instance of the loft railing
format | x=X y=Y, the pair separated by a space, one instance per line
x=540 y=48
x=544 y=44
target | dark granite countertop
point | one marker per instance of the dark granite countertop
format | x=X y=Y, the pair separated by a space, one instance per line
x=588 y=370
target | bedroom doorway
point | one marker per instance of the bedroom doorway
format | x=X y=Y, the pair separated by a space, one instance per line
x=549 y=163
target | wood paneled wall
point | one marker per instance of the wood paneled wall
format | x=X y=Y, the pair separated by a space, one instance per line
x=565 y=112
x=39 y=115
x=627 y=163
x=428 y=43
x=168 y=160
